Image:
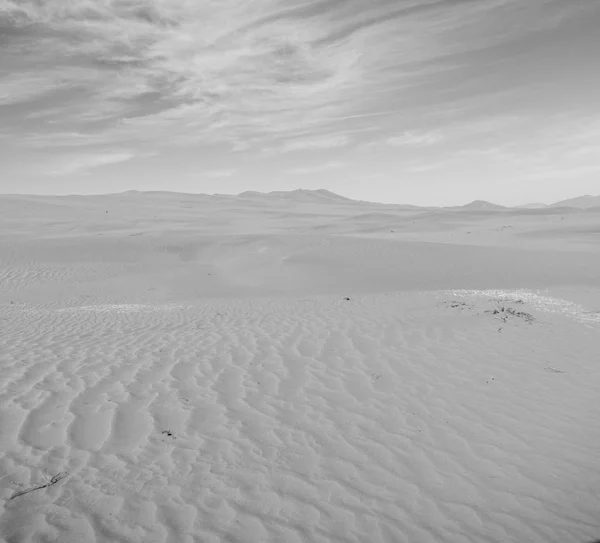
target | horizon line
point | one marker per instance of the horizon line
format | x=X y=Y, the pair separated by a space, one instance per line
x=300 y=189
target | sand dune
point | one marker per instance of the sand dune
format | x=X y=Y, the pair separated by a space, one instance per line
x=183 y=368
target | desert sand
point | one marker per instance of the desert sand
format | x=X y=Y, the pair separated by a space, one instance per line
x=297 y=367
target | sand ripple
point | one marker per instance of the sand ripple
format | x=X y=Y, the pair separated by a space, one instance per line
x=383 y=418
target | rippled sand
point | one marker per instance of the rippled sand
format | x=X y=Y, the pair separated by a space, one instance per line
x=209 y=375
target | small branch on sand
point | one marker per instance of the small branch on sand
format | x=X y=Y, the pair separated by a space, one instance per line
x=53 y=481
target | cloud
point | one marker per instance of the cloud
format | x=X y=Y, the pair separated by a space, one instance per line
x=220 y=174
x=566 y=173
x=457 y=130
x=423 y=168
x=318 y=168
x=63 y=141
x=486 y=124
x=415 y=139
x=20 y=87
x=318 y=142
x=194 y=71
x=248 y=74
x=85 y=162
x=564 y=146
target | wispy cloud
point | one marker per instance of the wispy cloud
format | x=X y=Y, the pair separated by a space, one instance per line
x=318 y=142
x=193 y=71
x=415 y=139
x=60 y=141
x=220 y=174
x=84 y=162
x=456 y=131
x=447 y=87
x=317 y=168
x=241 y=72
x=25 y=86
x=16 y=88
x=561 y=147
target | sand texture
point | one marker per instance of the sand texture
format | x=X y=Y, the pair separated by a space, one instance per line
x=297 y=368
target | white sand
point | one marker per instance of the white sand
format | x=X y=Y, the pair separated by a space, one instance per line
x=192 y=370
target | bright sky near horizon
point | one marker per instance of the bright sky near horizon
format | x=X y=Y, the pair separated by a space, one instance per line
x=430 y=102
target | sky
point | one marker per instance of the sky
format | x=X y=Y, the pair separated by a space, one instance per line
x=426 y=102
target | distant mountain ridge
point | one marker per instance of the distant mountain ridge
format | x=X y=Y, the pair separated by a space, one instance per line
x=583 y=202
x=532 y=205
x=322 y=196
x=298 y=194
x=480 y=205
x=315 y=195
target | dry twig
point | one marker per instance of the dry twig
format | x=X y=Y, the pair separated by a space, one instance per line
x=53 y=481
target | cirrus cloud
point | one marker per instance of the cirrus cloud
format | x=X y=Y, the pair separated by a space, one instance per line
x=89 y=83
x=241 y=72
x=317 y=168
x=85 y=162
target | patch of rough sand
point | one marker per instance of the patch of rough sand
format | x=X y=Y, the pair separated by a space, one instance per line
x=382 y=418
x=187 y=266
x=175 y=248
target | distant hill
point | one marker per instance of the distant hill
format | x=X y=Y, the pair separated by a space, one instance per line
x=533 y=205
x=304 y=195
x=321 y=196
x=582 y=202
x=251 y=194
x=480 y=205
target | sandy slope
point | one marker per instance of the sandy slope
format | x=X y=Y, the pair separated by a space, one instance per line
x=193 y=369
